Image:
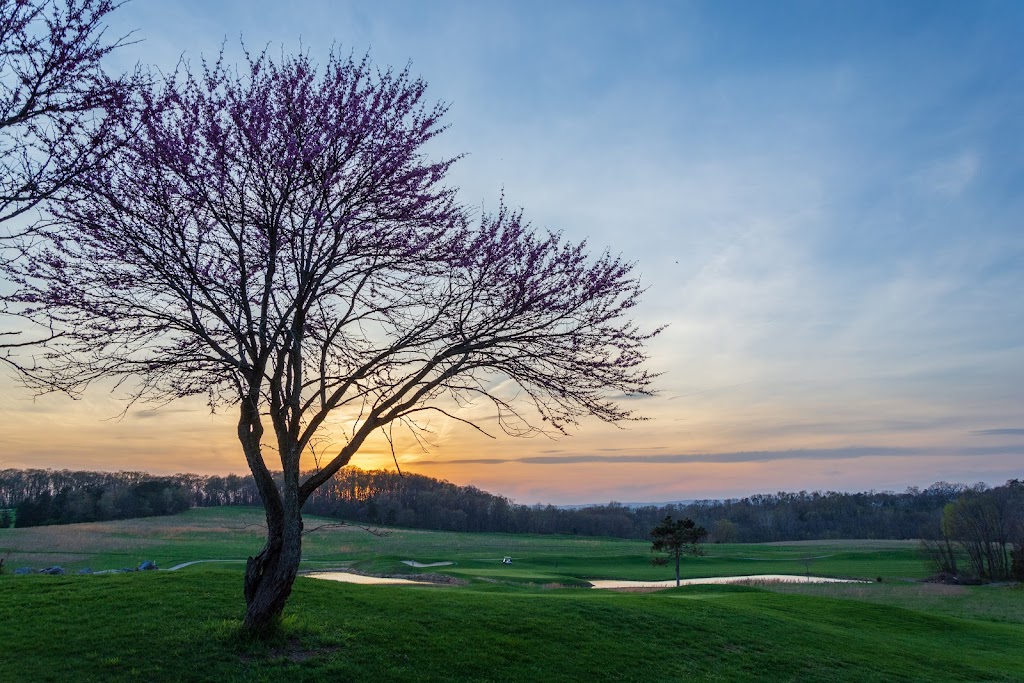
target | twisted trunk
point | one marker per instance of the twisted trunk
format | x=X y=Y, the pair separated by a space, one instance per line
x=270 y=574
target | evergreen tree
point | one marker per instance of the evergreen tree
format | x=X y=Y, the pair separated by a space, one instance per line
x=676 y=537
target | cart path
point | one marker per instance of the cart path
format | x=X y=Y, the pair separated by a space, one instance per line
x=189 y=564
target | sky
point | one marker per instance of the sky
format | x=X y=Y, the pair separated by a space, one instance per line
x=824 y=201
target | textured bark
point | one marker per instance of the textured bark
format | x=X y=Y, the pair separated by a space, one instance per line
x=269 y=576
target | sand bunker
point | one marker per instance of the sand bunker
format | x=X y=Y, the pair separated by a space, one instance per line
x=348 y=577
x=414 y=563
x=757 y=578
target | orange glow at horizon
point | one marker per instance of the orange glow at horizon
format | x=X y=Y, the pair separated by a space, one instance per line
x=583 y=468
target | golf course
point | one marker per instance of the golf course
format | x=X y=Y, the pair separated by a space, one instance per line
x=479 y=618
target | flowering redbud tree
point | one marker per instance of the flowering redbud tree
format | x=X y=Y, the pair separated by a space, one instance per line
x=275 y=238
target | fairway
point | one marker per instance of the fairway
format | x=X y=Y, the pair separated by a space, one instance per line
x=528 y=621
x=232 y=534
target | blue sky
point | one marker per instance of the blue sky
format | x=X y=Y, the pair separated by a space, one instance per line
x=824 y=199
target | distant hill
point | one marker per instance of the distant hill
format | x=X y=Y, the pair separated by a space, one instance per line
x=580 y=506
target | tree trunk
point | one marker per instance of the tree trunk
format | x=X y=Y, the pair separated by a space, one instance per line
x=951 y=554
x=269 y=576
x=677 y=568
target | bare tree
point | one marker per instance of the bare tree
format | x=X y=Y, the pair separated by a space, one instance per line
x=938 y=544
x=807 y=561
x=275 y=238
x=984 y=522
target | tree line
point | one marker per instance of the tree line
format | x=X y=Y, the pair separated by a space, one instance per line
x=145 y=499
x=42 y=497
x=387 y=498
x=382 y=497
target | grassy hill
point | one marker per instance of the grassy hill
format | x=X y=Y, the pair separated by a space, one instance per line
x=184 y=625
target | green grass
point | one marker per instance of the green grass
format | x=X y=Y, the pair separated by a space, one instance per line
x=997 y=603
x=184 y=627
x=502 y=626
x=235 y=533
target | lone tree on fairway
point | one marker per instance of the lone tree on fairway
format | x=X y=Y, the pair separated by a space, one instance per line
x=675 y=537
x=273 y=237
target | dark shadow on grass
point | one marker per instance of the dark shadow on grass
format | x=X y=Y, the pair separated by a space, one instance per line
x=287 y=640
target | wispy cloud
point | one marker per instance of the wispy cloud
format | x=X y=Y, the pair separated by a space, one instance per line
x=748 y=456
x=998 y=432
x=948 y=176
x=151 y=413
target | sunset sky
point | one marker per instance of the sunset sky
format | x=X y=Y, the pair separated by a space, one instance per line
x=825 y=201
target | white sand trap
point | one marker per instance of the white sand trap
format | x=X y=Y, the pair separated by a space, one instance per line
x=756 y=578
x=420 y=565
x=347 y=577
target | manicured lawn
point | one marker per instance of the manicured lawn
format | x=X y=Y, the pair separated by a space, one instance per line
x=184 y=626
x=997 y=603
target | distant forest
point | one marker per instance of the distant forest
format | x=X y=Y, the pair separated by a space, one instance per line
x=40 y=497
